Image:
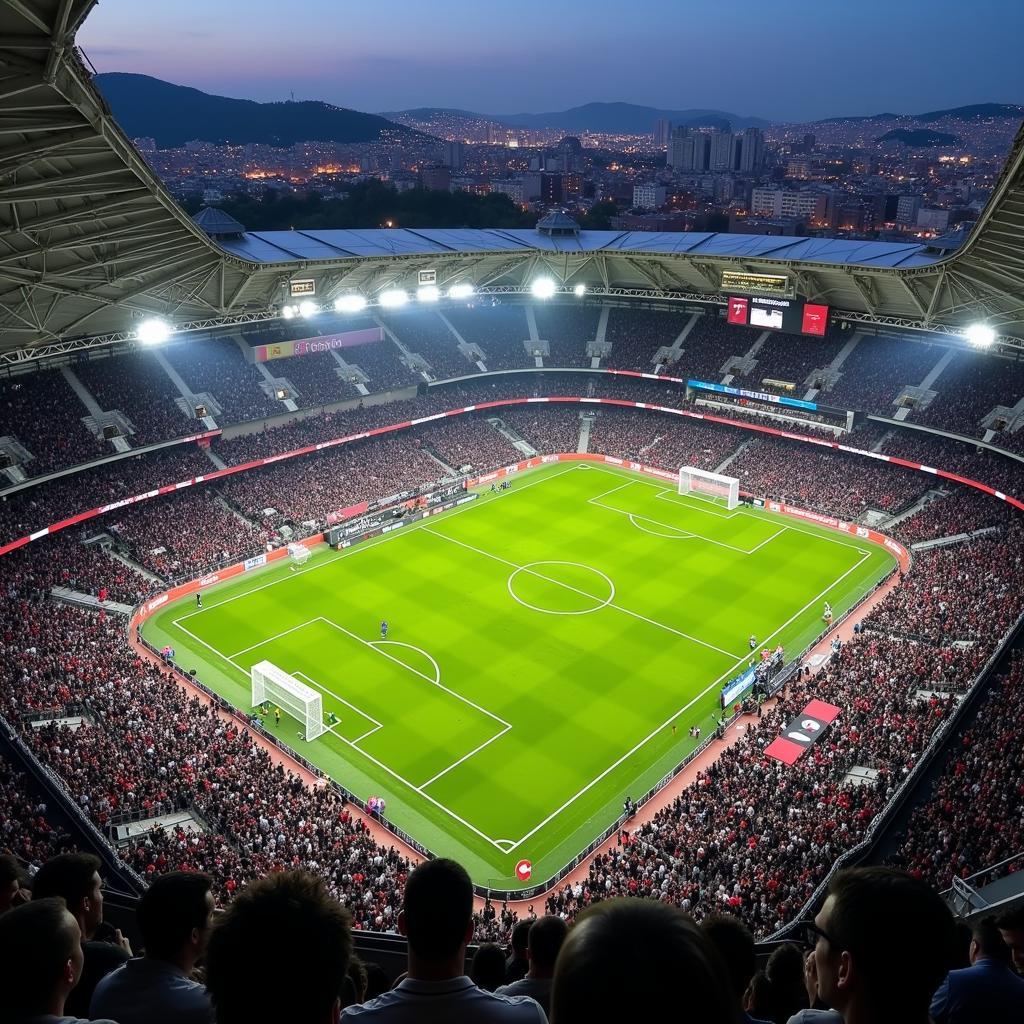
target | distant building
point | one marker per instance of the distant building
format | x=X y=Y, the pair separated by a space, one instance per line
x=648 y=196
x=145 y=144
x=751 y=144
x=453 y=155
x=932 y=219
x=798 y=167
x=438 y=179
x=724 y=152
x=809 y=142
x=906 y=209
x=784 y=204
x=689 y=151
x=551 y=191
x=662 y=131
x=514 y=189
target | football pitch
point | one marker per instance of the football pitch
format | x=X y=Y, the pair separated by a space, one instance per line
x=543 y=643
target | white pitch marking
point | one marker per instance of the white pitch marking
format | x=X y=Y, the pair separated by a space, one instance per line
x=358 y=710
x=530 y=571
x=412 y=647
x=674 y=535
x=616 y=607
x=465 y=757
x=686 y=707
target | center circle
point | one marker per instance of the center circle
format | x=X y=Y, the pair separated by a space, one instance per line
x=578 y=588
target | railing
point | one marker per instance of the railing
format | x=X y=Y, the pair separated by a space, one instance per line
x=963 y=896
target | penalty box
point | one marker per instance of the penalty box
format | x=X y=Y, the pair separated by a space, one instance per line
x=389 y=695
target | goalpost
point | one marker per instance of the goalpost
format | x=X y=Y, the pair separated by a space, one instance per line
x=702 y=484
x=299 y=554
x=291 y=695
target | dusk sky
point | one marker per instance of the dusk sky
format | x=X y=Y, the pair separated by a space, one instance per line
x=784 y=60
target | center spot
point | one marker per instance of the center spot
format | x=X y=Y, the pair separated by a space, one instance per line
x=561 y=588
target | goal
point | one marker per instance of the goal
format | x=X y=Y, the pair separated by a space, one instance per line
x=300 y=701
x=715 y=486
x=299 y=554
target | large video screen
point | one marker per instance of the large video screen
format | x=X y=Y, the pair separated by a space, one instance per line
x=791 y=315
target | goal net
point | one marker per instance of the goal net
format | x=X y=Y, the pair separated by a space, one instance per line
x=298 y=553
x=714 y=486
x=269 y=683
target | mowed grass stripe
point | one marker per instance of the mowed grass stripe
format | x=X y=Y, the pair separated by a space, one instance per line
x=579 y=691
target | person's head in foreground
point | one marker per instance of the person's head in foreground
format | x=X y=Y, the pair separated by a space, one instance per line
x=862 y=972
x=280 y=952
x=437 y=919
x=630 y=959
x=1011 y=927
x=40 y=958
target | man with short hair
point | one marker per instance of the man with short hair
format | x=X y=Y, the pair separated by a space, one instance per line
x=40 y=962
x=988 y=990
x=12 y=892
x=280 y=953
x=543 y=942
x=518 y=962
x=75 y=878
x=860 y=974
x=174 y=919
x=639 y=960
x=1011 y=927
x=437 y=921
x=735 y=944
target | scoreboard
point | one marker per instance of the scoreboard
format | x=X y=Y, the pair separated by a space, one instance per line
x=791 y=315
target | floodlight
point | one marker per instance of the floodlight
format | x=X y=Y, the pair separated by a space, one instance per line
x=980 y=335
x=394 y=297
x=308 y=309
x=543 y=288
x=579 y=291
x=153 y=331
x=350 y=303
x=463 y=290
x=428 y=293
x=287 y=312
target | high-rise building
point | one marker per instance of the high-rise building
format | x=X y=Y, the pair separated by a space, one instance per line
x=453 y=155
x=906 y=209
x=689 y=151
x=933 y=219
x=551 y=189
x=437 y=178
x=809 y=141
x=723 y=152
x=776 y=203
x=648 y=196
x=662 y=131
x=751 y=150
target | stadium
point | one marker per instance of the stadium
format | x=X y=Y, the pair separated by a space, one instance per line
x=607 y=564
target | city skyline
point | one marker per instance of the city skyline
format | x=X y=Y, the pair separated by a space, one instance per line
x=778 y=60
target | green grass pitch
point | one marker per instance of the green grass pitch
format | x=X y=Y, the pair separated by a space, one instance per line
x=543 y=642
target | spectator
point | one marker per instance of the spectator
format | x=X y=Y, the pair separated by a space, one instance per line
x=731 y=937
x=862 y=976
x=40 y=962
x=633 y=959
x=75 y=878
x=1011 y=927
x=518 y=962
x=12 y=891
x=280 y=952
x=817 y=1013
x=546 y=937
x=785 y=973
x=174 y=919
x=988 y=990
x=437 y=920
x=488 y=968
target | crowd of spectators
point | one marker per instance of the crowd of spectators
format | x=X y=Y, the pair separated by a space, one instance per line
x=958 y=511
x=138 y=386
x=42 y=412
x=637 y=334
x=969 y=389
x=315 y=378
x=218 y=367
x=568 y=330
x=549 y=429
x=382 y=363
x=792 y=357
x=429 y=336
x=843 y=485
x=184 y=534
x=877 y=369
x=498 y=330
x=972 y=818
x=27 y=832
x=467 y=441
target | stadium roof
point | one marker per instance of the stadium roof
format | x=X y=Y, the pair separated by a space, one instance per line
x=285 y=246
x=91 y=242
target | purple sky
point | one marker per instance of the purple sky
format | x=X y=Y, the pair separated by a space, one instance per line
x=784 y=59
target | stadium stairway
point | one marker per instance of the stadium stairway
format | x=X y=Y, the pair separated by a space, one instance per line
x=90 y=601
x=208 y=422
x=513 y=437
x=721 y=468
x=228 y=507
x=887 y=523
x=926 y=385
x=132 y=564
x=119 y=443
x=586 y=422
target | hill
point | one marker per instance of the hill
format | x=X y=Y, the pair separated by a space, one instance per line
x=614 y=118
x=974 y=112
x=918 y=137
x=174 y=114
